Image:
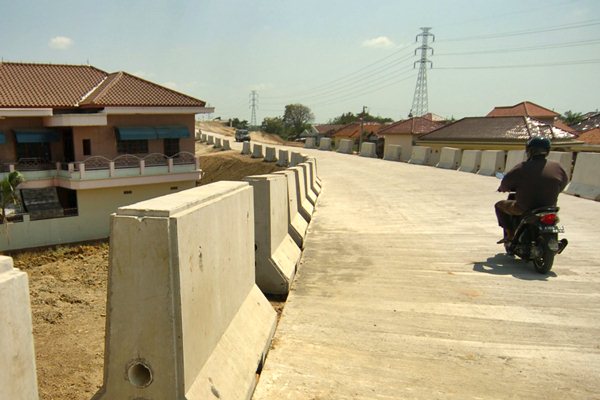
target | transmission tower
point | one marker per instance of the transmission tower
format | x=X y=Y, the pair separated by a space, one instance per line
x=254 y=106
x=419 y=105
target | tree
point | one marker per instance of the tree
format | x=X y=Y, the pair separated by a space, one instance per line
x=238 y=124
x=572 y=118
x=8 y=191
x=274 y=126
x=297 y=118
x=348 y=118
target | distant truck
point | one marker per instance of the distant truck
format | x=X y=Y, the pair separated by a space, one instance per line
x=242 y=135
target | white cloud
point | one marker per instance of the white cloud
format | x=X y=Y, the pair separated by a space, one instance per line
x=60 y=42
x=378 y=42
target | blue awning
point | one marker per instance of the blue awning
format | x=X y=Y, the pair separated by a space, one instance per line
x=2 y=138
x=36 y=136
x=137 y=133
x=172 y=132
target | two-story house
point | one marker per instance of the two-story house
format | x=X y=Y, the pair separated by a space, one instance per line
x=88 y=142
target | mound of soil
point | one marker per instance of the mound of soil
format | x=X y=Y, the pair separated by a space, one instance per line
x=68 y=296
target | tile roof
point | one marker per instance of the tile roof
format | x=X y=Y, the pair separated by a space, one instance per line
x=591 y=136
x=412 y=126
x=525 y=109
x=352 y=129
x=593 y=121
x=327 y=128
x=495 y=129
x=27 y=85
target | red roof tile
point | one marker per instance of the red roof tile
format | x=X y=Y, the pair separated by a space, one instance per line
x=590 y=137
x=525 y=109
x=25 y=85
x=352 y=129
x=412 y=126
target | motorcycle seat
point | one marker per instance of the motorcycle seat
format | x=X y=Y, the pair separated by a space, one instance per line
x=552 y=209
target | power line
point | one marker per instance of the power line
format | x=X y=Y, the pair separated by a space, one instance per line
x=528 y=48
x=554 y=64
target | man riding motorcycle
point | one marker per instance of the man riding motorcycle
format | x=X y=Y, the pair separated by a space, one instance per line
x=537 y=182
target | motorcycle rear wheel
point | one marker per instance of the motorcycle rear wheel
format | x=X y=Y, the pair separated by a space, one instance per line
x=543 y=264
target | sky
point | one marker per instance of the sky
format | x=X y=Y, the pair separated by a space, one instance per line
x=333 y=56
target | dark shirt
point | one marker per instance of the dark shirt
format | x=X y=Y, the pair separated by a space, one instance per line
x=537 y=183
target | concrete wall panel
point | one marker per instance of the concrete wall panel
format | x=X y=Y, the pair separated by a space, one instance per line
x=297 y=225
x=210 y=139
x=564 y=158
x=492 y=161
x=283 y=158
x=392 y=152
x=305 y=207
x=18 y=378
x=184 y=317
x=246 y=148
x=226 y=144
x=586 y=179
x=367 y=149
x=449 y=158
x=218 y=143
x=296 y=158
x=270 y=154
x=514 y=157
x=325 y=144
x=420 y=155
x=345 y=146
x=277 y=254
x=257 y=151
x=314 y=179
x=311 y=195
x=310 y=143
x=471 y=161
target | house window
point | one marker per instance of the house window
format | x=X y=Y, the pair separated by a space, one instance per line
x=87 y=147
x=132 y=146
x=171 y=147
x=39 y=151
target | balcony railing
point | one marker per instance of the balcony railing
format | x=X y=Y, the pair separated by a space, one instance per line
x=102 y=167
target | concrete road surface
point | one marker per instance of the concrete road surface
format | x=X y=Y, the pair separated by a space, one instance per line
x=403 y=293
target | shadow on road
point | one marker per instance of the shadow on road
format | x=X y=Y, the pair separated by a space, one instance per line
x=502 y=264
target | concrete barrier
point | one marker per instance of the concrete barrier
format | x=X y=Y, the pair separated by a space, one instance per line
x=246 y=148
x=471 y=161
x=296 y=158
x=325 y=144
x=310 y=143
x=305 y=207
x=449 y=158
x=277 y=254
x=420 y=155
x=18 y=378
x=367 y=149
x=311 y=195
x=297 y=225
x=314 y=180
x=184 y=316
x=345 y=146
x=492 y=161
x=513 y=158
x=586 y=178
x=210 y=139
x=283 y=158
x=203 y=137
x=257 y=151
x=226 y=144
x=564 y=158
x=392 y=152
x=218 y=144
x=270 y=154
x=316 y=173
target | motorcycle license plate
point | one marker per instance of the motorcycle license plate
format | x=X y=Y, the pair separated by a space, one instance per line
x=553 y=229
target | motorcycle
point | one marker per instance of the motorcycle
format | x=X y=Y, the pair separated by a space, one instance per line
x=536 y=237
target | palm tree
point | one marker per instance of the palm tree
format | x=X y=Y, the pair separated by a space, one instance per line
x=8 y=191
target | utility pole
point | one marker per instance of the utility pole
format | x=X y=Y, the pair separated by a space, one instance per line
x=419 y=105
x=362 y=127
x=253 y=105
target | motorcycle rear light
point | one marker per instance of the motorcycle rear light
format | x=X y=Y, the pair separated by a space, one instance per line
x=549 y=219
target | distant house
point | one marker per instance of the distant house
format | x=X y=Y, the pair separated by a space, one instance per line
x=498 y=133
x=353 y=129
x=588 y=130
x=404 y=133
x=88 y=142
x=532 y=110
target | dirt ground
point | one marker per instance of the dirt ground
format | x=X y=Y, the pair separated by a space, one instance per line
x=68 y=296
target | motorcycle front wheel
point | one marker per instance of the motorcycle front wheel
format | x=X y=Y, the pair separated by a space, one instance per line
x=543 y=264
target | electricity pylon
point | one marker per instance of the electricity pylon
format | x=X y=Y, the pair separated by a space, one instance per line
x=419 y=105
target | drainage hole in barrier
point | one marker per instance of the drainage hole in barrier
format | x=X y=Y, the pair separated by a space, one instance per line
x=139 y=374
